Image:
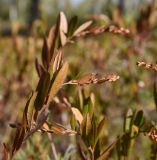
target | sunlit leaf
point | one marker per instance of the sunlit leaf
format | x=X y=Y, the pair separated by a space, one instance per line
x=83 y=27
x=58 y=81
x=57 y=60
x=88 y=124
x=134 y=130
x=128 y=121
x=77 y=114
x=63 y=28
x=73 y=122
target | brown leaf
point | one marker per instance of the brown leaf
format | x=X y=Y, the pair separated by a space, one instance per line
x=105 y=154
x=20 y=132
x=41 y=119
x=54 y=34
x=58 y=81
x=58 y=129
x=51 y=37
x=81 y=28
x=57 y=61
x=45 y=54
x=39 y=68
x=42 y=90
x=5 y=151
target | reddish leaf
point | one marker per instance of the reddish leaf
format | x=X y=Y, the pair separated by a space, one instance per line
x=45 y=54
x=42 y=89
x=20 y=132
x=39 y=68
x=6 y=153
x=51 y=37
x=55 y=37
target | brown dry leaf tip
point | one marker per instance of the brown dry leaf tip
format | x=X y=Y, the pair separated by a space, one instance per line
x=120 y=30
x=147 y=65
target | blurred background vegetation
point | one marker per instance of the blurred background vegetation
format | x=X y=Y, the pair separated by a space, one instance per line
x=22 y=27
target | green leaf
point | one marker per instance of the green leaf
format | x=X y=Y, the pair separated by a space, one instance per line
x=91 y=105
x=128 y=121
x=86 y=129
x=93 y=135
x=139 y=118
x=88 y=124
x=73 y=122
x=72 y=25
x=155 y=94
x=58 y=81
x=100 y=128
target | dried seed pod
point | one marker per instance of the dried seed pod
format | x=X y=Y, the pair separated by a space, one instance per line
x=147 y=65
x=93 y=78
x=121 y=30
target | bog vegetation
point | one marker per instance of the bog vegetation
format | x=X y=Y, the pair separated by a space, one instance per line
x=91 y=95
